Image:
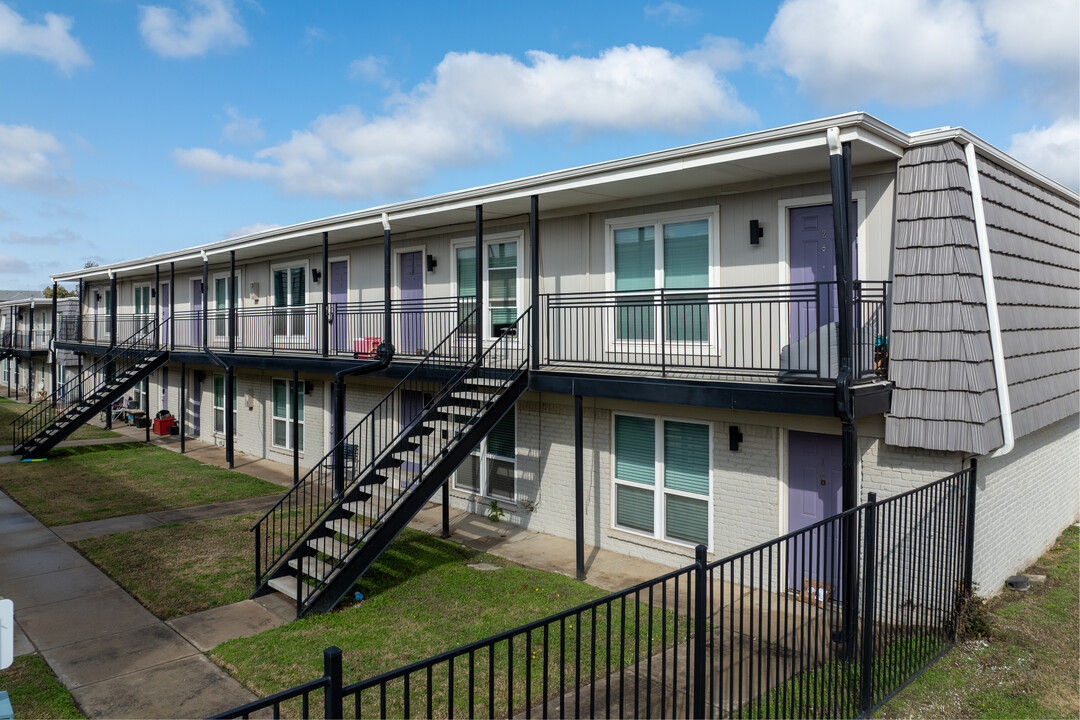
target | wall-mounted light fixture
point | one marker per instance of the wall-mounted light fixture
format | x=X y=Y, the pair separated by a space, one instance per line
x=315 y=275
x=308 y=387
x=756 y=232
x=253 y=291
x=734 y=437
x=97 y=297
x=432 y=263
x=153 y=292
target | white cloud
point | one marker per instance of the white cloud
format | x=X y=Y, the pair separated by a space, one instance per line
x=370 y=69
x=209 y=25
x=59 y=237
x=250 y=230
x=903 y=52
x=13 y=265
x=459 y=117
x=51 y=41
x=1054 y=151
x=1036 y=33
x=241 y=130
x=4 y=217
x=672 y=13
x=30 y=159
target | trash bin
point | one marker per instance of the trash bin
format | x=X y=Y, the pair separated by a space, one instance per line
x=162 y=425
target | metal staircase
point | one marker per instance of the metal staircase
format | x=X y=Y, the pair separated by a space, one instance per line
x=336 y=521
x=48 y=422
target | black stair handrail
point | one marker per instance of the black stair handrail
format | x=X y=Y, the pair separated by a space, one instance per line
x=142 y=343
x=303 y=508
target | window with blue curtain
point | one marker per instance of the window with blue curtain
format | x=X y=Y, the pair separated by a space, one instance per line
x=501 y=286
x=282 y=404
x=686 y=266
x=677 y=454
x=635 y=269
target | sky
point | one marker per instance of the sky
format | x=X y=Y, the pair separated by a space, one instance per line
x=129 y=129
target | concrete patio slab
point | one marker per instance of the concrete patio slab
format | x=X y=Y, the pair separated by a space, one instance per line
x=99 y=528
x=187 y=688
x=37 y=561
x=209 y=628
x=99 y=659
x=27 y=538
x=57 y=586
x=84 y=617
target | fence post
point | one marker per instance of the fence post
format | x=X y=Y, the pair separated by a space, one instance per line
x=333 y=706
x=869 y=570
x=700 y=625
x=969 y=530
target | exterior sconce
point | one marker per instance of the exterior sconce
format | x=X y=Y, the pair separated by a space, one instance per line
x=432 y=263
x=249 y=399
x=97 y=297
x=153 y=292
x=253 y=291
x=756 y=232
x=734 y=437
x=315 y=275
x=308 y=387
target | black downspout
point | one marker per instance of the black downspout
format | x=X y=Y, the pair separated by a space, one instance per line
x=52 y=342
x=172 y=305
x=205 y=304
x=326 y=316
x=479 y=281
x=78 y=326
x=30 y=348
x=231 y=293
x=840 y=175
x=157 y=307
x=112 y=310
x=230 y=376
x=296 y=427
x=183 y=400
x=579 y=488
x=534 y=234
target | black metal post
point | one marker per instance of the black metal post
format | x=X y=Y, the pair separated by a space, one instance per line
x=172 y=305
x=480 y=324
x=183 y=400
x=969 y=528
x=446 y=509
x=534 y=233
x=701 y=580
x=326 y=316
x=230 y=288
x=333 y=705
x=296 y=427
x=230 y=408
x=339 y=435
x=205 y=305
x=52 y=341
x=78 y=317
x=579 y=488
x=869 y=577
x=112 y=309
x=157 y=307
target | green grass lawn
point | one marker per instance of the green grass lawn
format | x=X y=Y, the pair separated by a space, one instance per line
x=35 y=692
x=1025 y=667
x=78 y=484
x=180 y=569
x=9 y=410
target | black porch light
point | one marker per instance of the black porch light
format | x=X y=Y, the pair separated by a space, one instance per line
x=756 y=232
x=315 y=275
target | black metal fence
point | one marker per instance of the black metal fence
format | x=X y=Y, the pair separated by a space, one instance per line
x=785 y=331
x=828 y=621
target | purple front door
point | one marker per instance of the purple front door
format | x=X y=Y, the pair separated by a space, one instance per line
x=812 y=256
x=339 y=296
x=815 y=492
x=412 y=404
x=196 y=308
x=412 y=297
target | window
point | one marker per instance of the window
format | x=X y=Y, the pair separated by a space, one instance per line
x=674 y=453
x=219 y=403
x=142 y=300
x=491 y=468
x=222 y=304
x=670 y=252
x=290 y=291
x=7 y=371
x=500 y=283
x=283 y=416
x=139 y=395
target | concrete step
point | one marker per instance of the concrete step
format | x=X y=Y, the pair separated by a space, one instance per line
x=329 y=546
x=286 y=585
x=346 y=527
x=312 y=567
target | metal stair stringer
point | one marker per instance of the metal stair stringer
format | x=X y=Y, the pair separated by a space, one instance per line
x=381 y=536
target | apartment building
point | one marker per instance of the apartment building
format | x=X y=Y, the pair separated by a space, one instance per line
x=644 y=355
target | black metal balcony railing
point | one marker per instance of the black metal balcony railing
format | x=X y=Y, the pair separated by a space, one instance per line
x=39 y=339
x=786 y=331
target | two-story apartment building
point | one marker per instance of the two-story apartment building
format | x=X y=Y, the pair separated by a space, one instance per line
x=644 y=354
x=28 y=363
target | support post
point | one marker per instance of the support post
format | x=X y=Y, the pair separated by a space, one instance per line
x=333 y=705
x=480 y=324
x=52 y=341
x=339 y=436
x=969 y=528
x=230 y=408
x=387 y=324
x=205 y=306
x=230 y=289
x=172 y=305
x=325 y=296
x=869 y=570
x=78 y=317
x=446 y=509
x=534 y=235
x=183 y=401
x=112 y=309
x=296 y=427
x=701 y=582
x=579 y=488
x=157 y=307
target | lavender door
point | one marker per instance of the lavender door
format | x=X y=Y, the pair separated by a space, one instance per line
x=163 y=299
x=813 y=260
x=412 y=296
x=339 y=296
x=815 y=492
x=196 y=308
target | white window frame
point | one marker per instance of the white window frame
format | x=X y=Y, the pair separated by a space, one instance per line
x=481 y=451
x=271 y=299
x=659 y=491
x=135 y=300
x=289 y=400
x=215 y=314
x=658 y=221
x=519 y=285
x=215 y=407
x=140 y=394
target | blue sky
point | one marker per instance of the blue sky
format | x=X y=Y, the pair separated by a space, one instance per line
x=128 y=129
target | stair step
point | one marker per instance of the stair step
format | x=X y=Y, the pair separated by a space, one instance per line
x=372 y=479
x=329 y=546
x=389 y=462
x=346 y=527
x=419 y=430
x=285 y=584
x=356 y=507
x=467 y=399
x=311 y=567
x=405 y=446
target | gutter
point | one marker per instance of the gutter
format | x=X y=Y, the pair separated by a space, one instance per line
x=997 y=350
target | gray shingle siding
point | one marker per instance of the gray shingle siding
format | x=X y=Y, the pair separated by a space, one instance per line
x=945 y=395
